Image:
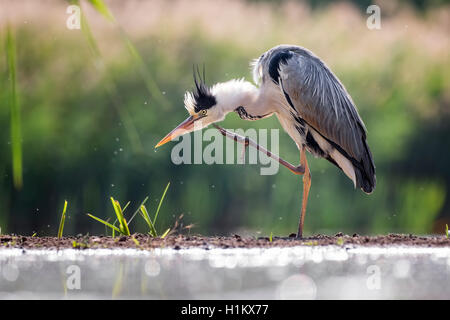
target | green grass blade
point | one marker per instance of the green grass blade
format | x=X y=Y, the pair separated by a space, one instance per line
x=150 y=83
x=144 y=213
x=16 y=135
x=146 y=216
x=160 y=202
x=102 y=8
x=138 y=209
x=110 y=86
x=165 y=233
x=126 y=229
x=126 y=206
x=118 y=212
x=62 y=221
x=122 y=221
x=446 y=231
x=105 y=223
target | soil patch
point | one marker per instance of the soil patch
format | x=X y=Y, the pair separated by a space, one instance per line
x=146 y=242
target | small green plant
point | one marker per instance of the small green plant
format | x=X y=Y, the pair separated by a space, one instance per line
x=123 y=225
x=271 y=236
x=151 y=223
x=123 y=228
x=446 y=231
x=61 y=222
x=340 y=241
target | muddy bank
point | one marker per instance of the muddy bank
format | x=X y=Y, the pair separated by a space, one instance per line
x=182 y=241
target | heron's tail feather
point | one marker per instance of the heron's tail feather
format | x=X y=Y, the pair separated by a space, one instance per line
x=362 y=173
x=365 y=171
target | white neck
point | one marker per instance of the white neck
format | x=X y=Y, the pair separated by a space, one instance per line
x=238 y=93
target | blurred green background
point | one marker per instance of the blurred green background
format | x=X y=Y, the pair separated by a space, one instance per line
x=90 y=105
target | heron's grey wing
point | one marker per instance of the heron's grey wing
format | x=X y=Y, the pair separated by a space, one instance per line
x=321 y=100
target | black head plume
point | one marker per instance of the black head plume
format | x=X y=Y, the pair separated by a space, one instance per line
x=203 y=98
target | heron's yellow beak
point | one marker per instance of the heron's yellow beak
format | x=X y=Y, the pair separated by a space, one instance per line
x=185 y=127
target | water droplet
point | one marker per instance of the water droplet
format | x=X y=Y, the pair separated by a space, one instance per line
x=181 y=182
x=280 y=218
x=163 y=92
x=120 y=149
x=115 y=152
x=112 y=185
x=117 y=139
x=213 y=186
x=145 y=102
x=274 y=186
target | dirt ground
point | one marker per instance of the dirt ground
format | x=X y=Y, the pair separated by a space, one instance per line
x=146 y=242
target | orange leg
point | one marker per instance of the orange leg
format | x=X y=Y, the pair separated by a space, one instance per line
x=306 y=187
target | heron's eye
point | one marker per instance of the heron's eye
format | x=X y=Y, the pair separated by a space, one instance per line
x=204 y=112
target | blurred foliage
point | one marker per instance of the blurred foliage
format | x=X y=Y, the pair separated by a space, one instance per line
x=89 y=119
x=16 y=139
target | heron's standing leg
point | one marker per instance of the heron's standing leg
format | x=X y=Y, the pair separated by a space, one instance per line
x=306 y=187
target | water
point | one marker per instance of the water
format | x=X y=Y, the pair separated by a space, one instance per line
x=274 y=273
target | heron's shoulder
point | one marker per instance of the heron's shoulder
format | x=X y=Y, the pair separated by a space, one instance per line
x=269 y=62
x=286 y=50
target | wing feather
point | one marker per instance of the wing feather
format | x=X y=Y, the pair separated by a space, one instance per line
x=321 y=100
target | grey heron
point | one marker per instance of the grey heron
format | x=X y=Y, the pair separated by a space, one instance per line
x=311 y=104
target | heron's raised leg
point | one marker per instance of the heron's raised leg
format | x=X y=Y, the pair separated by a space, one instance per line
x=246 y=141
x=306 y=187
x=303 y=168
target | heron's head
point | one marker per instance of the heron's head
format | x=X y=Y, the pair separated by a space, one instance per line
x=205 y=106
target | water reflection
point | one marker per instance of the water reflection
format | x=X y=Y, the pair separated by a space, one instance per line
x=307 y=272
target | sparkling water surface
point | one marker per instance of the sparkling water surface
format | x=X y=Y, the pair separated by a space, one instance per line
x=303 y=272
